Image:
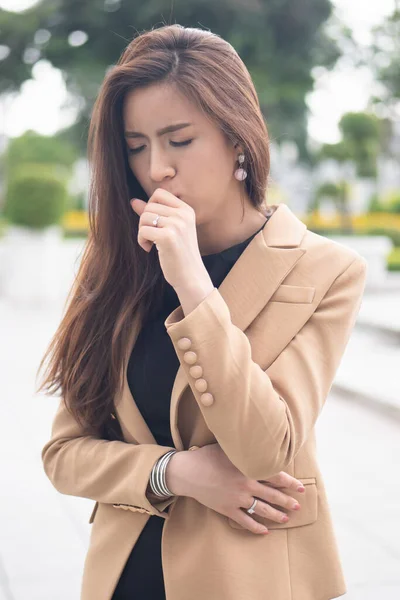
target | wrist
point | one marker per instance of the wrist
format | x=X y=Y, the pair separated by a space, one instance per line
x=175 y=475
x=192 y=295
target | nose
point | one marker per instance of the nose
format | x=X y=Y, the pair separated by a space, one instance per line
x=160 y=166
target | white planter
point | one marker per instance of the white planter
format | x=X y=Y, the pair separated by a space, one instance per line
x=30 y=265
x=375 y=249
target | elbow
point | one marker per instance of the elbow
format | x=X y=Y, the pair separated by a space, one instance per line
x=271 y=460
x=50 y=460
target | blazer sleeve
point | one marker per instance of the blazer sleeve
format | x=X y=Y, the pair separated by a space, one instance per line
x=260 y=418
x=112 y=472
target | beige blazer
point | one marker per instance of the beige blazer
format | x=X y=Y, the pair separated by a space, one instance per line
x=266 y=345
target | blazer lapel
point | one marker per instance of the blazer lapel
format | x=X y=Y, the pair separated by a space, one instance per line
x=251 y=282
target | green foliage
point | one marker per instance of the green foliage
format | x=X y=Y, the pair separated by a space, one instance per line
x=361 y=134
x=77 y=202
x=391 y=203
x=35 y=199
x=375 y=206
x=394 y=206
x=33 y=148
x=339 y=193
x=386 y=44
x=359 y=127
x=339 y=152
x=362 y=138
x=328 y=189
x=325 y=190
x=394 y=260
x=279 y=40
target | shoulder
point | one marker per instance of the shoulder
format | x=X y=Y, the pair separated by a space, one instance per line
x=330 y=253
x=324 y=260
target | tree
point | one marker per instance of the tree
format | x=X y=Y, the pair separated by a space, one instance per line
x=31 y=147
x=279 y=40
x=361 y=143
x=339 y=193
x=386 y=58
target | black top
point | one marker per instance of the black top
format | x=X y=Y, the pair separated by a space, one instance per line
x=142 y=575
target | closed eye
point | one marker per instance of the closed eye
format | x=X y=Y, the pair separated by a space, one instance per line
x=174 y=144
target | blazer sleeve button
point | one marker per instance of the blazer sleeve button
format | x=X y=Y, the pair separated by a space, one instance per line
x=184 y=343
x=196 y=371
x=190 y=357
x=200 y=385
x=207 y=399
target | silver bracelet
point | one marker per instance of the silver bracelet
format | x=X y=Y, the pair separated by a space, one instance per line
x=157 y=478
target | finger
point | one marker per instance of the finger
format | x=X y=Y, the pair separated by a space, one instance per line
x=269 y=494
x=160 y=209
x=147 y=219
x=163 y=197
x=137 y=205
x=148 y=233
x=263 y=509
x=157 y=235
x=146 y=236
x=249 y=523
x=284 y=480
x=165 y=226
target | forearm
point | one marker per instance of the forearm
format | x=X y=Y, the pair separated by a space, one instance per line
x=110 y=472
x=261 y=418
x=192 y=296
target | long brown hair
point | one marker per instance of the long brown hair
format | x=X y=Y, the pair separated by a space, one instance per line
x=118 y=284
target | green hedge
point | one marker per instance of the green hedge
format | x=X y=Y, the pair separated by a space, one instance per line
x=394 y=260
x=35 y=198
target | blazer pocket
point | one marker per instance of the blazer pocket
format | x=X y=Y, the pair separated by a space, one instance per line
x=293 y=293
x=307 y=514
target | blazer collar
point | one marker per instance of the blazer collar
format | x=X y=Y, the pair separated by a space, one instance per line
x=253 y=279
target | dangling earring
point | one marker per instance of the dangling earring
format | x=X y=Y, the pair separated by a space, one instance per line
x=240 y=173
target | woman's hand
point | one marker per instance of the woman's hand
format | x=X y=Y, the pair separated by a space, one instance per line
x=175 y=238
x=208 y=476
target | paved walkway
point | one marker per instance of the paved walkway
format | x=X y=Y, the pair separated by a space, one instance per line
x=44 y=534
x=382 y=311
x=372 y=357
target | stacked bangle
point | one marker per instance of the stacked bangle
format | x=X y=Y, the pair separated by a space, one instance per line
x=157 y=478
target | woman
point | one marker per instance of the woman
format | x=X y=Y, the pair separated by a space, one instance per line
x=200 y=341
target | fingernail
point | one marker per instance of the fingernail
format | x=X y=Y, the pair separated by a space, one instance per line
x=301 y=488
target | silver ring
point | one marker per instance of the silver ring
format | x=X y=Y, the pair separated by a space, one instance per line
x=251 y=510
x=156 y=220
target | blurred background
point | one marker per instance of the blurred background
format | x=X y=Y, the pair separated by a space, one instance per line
x=328 y=78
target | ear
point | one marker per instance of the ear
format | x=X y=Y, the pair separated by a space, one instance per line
x=238 y=148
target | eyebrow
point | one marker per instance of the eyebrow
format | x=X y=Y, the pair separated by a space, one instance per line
x=160 y=132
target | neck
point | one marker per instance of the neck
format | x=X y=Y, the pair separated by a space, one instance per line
x=226 y=231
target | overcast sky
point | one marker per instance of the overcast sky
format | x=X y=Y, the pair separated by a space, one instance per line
x=39 y=106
